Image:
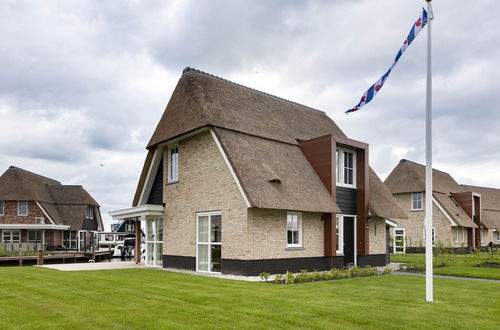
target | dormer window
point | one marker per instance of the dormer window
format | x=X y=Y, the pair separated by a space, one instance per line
x=89 y=213
x=345 y=168
x=173 y=164
x=22 y=208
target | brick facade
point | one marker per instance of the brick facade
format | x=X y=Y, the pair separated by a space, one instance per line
x=205 y=184
x=376 y=234
x=10 y=213
x=414 y=225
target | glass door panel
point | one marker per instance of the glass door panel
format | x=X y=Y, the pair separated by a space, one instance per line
x=209 y=240
x=203 y=257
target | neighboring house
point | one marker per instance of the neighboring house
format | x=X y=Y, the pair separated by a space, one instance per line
x=459 y=216
x=490 y=206
x=239 y=181
x=37 y=211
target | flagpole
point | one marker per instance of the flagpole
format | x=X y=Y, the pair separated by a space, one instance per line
x=428 y=165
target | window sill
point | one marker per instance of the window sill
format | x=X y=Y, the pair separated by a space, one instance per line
x=172 y=182
x=417 y=210
x=294 y=248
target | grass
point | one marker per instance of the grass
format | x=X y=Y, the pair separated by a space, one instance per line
x=35 y=297
x=458 y=264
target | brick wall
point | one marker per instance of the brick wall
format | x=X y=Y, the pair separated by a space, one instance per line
x=10 y=213
x=376 y=234
x=269 y=234
x=205 y=184
x=414 y=225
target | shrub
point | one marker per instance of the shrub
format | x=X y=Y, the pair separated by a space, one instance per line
x=387 y=271
x=289 y=278
x=356 y=271
x=264 y=276
x=278 y=278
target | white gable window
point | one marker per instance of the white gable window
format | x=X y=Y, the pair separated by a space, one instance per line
x=89 y=212
x=22 y=208
x=173 y=164
x=294 y=229
x=1 y=208
x=345 y=168
x=416 y=201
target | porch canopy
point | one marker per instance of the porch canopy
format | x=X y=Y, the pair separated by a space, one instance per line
x=138 y=213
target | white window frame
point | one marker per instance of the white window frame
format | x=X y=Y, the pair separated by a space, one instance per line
x=19 y=209
x=11 y=235
x=90 y=212
x=459 y=238
x=34 y=241
x=481 y=234
x=173 y=176
x=339 y=167
x=339 y=229
x=299 y=230
x=157 y=243
x=209 y=243
x=404 y=240
x=498 y=235
x=3 y=208
x=421 y=201
x=433 y=236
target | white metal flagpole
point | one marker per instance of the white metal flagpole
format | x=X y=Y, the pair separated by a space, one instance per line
x=428 y=164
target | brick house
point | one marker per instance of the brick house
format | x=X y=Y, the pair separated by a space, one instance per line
x=36 y=211
x=460 y=218
x=241 y=182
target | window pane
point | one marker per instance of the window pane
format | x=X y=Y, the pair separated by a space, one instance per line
x=203 y=229
x=215 y=235
x=159 y=254
x=337 y=168
x=289 y=237
x=159 y=229
x=23 y=208
x=216 y=258
x=1 y=207
x=203 y=257
x=149 y=230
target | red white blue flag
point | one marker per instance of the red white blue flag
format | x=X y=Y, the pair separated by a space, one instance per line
x=375 y=88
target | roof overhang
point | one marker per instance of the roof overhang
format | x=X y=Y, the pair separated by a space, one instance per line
x=138 y=211
x=391 y=223
x=34 y=226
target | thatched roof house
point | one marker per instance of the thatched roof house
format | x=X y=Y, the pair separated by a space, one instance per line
x=261 y=161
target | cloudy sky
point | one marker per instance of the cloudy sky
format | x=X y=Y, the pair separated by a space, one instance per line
x=84 y=83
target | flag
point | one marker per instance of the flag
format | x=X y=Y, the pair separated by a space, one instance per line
x=375 y=88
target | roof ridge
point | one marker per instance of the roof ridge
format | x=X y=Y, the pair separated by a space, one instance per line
x=434 y=169
x=36 y=174
x=189 y=69
x=482 y=187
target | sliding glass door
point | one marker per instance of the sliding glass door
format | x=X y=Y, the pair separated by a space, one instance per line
x=209 y=242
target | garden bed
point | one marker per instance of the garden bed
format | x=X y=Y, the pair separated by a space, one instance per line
x=333 y=274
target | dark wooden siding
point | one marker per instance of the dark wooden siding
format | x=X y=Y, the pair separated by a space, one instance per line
x=347 y=200
x=89 y=224
x=156 y=194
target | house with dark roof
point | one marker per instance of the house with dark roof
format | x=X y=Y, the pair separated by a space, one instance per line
x=36 y=211
x=241 y=182
x=463 y=216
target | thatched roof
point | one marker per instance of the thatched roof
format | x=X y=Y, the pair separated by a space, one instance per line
x=201 y=99
x=259 y=133
x=65 y=204
x=454 y=210
x=258 y=160
x=381 y=202
x=409 y=176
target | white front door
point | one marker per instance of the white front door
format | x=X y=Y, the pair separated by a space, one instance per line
x=209 y=242
x=154 y=242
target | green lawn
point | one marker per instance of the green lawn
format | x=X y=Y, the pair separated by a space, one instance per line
x=34 y=297
x=459 y=265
